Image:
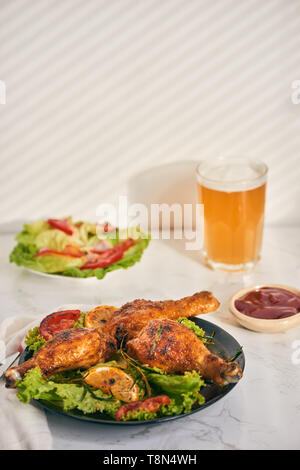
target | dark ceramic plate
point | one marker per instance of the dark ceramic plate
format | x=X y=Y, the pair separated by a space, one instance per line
x=224 y=346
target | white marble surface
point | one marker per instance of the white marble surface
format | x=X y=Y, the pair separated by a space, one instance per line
x=262 y=412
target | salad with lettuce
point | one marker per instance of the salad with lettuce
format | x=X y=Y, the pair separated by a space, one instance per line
x=77 y=249
x=152 y=393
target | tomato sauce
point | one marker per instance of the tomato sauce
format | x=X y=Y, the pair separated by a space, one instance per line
x=269 y=303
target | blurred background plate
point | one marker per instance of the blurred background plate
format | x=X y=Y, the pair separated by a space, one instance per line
x=60 y=276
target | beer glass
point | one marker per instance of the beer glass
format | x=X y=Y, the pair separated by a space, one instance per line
x=232 y=191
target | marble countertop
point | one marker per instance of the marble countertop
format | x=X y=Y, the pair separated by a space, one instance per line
x=262 y=412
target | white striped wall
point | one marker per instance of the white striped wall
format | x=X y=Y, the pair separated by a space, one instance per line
x=98 y=90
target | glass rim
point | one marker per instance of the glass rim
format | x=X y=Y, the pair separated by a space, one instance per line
x=250 y=162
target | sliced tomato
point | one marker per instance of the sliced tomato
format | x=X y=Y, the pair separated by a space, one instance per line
x=58 y=321
x=151 y=405
x=108 y=257
x=61 y=224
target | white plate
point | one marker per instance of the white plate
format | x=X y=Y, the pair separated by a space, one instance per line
x=59 y=276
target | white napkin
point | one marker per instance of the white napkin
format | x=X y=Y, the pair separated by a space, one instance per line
x=22 y=427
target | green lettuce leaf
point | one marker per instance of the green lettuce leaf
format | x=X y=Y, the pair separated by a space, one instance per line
x=87 y=232
x=67 y=391
x=80 y=322
x=66 y=396
x=179 y=404
x=57 y=240
x=24 y=255
x=36 y=227
x=33 y=340
x=183 y=390
x=176 y=384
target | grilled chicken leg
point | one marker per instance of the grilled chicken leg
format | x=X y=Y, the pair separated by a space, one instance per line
x=174 y=348
x=127 y=322
x=69 y=349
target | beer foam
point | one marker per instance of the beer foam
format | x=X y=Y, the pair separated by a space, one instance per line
x=231 y=176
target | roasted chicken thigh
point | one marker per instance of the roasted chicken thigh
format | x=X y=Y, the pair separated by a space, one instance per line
x=174 y=348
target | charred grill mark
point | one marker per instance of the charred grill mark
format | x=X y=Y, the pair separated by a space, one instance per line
x=65 y=334
x=91 y=356
x=212 y=358
x=165 y=349
x=152 y=331
x=156 y=339
x=167 y=328
x=121 y=336
x=168 y=343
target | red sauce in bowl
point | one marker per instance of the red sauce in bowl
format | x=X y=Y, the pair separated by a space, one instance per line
x=269 y=303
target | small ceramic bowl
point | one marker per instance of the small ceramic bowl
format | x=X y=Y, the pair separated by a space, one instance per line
x=259 y=324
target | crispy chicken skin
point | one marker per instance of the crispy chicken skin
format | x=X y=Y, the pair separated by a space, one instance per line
x=69 y=349
x=174 y=348
x=127 y=322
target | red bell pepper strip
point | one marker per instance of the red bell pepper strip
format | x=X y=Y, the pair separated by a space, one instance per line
x=74 y=251
x=70 y=251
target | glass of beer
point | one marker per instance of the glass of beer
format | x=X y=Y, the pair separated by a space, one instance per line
x=232 y=191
